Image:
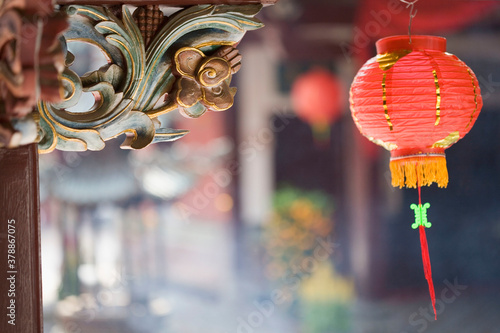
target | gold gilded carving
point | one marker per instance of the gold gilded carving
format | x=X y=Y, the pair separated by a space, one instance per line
x=204 y=81
x=156 y=64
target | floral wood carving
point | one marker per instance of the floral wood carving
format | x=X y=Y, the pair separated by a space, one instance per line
x=157 y=64
x=31 y=61
x=204 y=81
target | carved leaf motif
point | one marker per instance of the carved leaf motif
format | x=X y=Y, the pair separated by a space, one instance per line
x=138 y=85
x=110 y=73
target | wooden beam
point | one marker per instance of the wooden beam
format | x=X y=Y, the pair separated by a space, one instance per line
x=173 y=3
x=20 y=271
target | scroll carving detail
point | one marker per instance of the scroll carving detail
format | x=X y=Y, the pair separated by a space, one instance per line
x=157 y=64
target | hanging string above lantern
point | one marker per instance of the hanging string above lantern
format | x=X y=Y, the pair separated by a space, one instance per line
x=317 y=100
x=415 y=100
x=413 y=13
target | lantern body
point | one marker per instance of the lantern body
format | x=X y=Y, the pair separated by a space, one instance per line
x=316 y=97
x=415 y=100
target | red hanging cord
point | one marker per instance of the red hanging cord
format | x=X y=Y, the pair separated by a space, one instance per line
x=427 y=267
x=425 y=254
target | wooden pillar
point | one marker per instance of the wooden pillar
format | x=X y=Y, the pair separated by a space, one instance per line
x=20 y=267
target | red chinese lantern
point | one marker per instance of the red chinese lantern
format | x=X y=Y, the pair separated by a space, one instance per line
x=316 y=98
x=415 y=100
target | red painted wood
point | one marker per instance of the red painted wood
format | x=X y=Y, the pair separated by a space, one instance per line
x=174 y=3
x=20 y=233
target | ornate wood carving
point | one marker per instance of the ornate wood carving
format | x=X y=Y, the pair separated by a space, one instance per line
x=156 y=64
x=30 y=63
x=177 y=3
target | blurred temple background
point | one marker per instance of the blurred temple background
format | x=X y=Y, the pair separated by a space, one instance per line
x=258 y=222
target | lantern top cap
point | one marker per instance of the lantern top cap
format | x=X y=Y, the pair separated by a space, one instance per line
x=395 y=43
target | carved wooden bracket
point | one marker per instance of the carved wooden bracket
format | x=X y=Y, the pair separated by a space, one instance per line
x=31 y=60
x=157 y=64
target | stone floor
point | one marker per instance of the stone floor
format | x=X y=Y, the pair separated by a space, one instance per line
x=469 y=312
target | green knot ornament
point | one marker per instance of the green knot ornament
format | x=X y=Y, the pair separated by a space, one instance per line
x=421 y=215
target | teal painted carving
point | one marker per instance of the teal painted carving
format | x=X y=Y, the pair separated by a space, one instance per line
x=143 y=79
x=421 y=215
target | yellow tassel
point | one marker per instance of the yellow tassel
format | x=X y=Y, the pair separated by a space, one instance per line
x=431 y=169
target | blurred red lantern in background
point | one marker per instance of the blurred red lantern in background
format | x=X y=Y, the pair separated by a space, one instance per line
x=317 y=98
